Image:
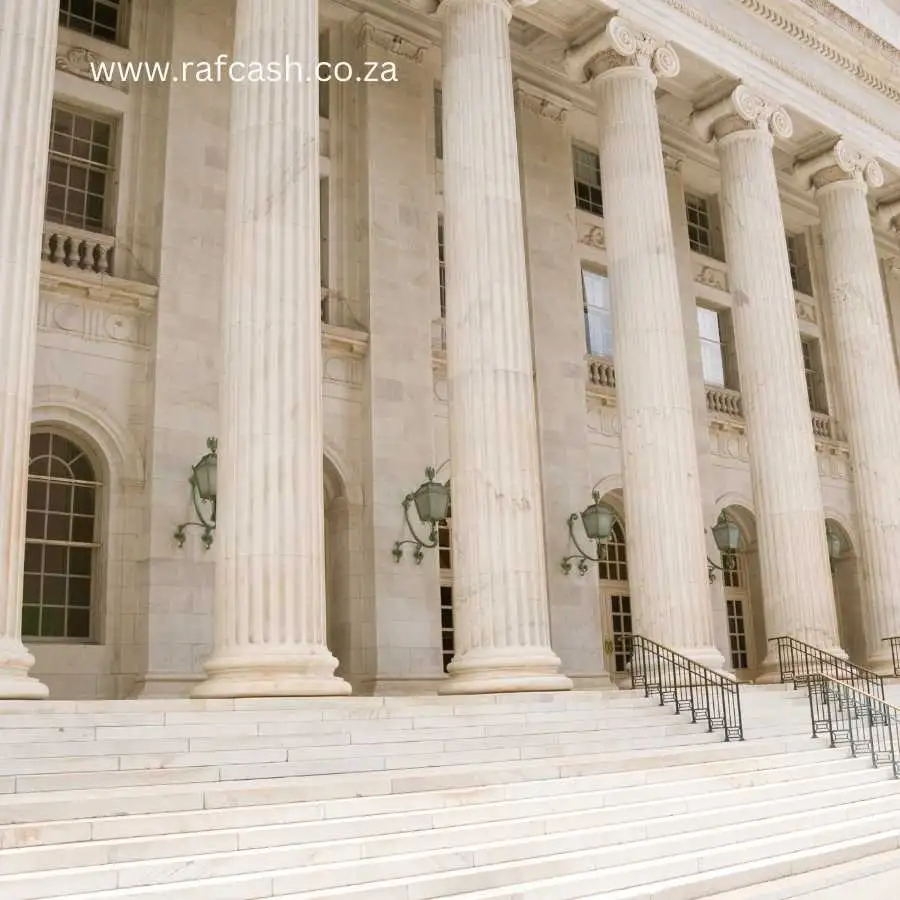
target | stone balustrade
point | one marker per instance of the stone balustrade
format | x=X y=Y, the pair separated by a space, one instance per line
x=78 y=249
x=602 y=372
x=822 y=426
x=723 y=401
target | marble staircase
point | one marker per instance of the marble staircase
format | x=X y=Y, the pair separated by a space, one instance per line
x=543 y=796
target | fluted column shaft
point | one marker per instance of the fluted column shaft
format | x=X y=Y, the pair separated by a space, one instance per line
x=270 y=573
x=868 y=378
x=796 y=583
x=501 y=613
x=663 y=503
x=27 y=54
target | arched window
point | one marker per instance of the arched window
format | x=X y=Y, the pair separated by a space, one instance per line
x=61 y=540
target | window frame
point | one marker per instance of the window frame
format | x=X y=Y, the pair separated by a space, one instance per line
x=697 y=207
x=592 y=203
x=589 y=269
x=123 y=22
x=110 y=170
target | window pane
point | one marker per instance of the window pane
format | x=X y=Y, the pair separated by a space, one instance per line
x=78 y=623
x=708 y=320
x=53 y=621
x=31 y=619
x=598 y=313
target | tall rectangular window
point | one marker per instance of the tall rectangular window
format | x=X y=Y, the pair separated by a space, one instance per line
x=793 y=260
x=442 y=268
x=712 y=351
x=698 y=218
x=588 y=193
x=324 y=86
x=99 y=18
x=812 y=370
x=445 y=564
x=438 y=123
x=79 y=178
x=597 y=313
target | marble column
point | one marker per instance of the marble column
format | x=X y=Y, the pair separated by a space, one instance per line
x=797 y=591
x=270 y=572
x=27 y=54
x=663 y=503
x=501 y=613
x=867 y=375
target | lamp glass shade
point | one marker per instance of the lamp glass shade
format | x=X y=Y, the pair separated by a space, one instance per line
x=598 y=520
x=835 y=544
x=726 y=535
x=205 y=476
x=432 y=501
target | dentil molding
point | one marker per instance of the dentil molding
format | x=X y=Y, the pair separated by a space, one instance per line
x=798 y=74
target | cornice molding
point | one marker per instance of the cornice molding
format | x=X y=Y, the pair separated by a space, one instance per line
x=816 y=85
x=855 y=28
x=810 y=39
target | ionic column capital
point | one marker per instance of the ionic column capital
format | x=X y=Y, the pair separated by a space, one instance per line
x=622 y=45
x=742 y=110
x=889 y=214
x=842 y=162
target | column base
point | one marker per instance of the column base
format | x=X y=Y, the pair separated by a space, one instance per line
x=15 y=682
x=499 y=672
x=711 y=657
x=769 y=671
x=255 y=674
x=881 y=664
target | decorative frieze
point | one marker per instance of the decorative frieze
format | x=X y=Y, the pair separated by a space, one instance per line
x=84 y=63
x=806 y=309
x=593 y=236
x=535 y=101
x=711 y=276
x=392 y=41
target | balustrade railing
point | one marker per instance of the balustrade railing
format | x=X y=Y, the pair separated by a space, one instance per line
x=723 y=401
x=689 y=686
x=602 y=372
x=822 y=426
x=799 y=662
x=894 y=642
x=78 y=249
x=849 y=715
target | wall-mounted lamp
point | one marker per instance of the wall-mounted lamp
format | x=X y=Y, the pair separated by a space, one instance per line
x=728 y=539
x=432 y=502
x=835 y=546
x=597 y=520
x=203 y=491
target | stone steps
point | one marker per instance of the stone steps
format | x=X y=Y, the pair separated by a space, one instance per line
x=461 y=869
x=715 y=799
x=526 y=796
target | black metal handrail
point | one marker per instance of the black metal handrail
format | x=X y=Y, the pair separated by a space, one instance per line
x=707 y=694
x=869 y=724
x=894 y=641
x=799 y=661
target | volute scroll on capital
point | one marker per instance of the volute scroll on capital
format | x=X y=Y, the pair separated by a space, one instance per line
x=619 y=45
x=889 y=214
x=742 y=110
x=842 y=162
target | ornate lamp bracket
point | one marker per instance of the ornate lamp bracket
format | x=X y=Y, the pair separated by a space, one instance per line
x=203 y=497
